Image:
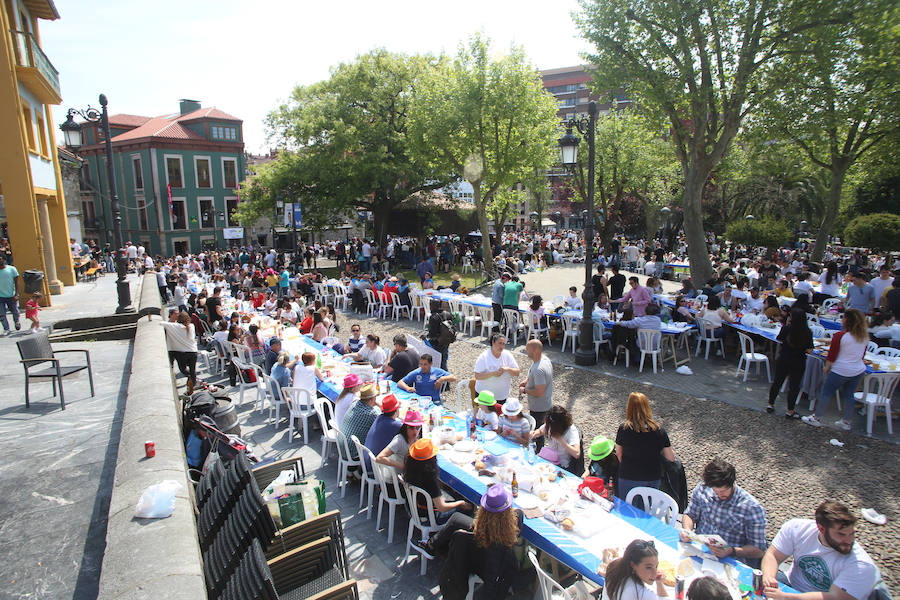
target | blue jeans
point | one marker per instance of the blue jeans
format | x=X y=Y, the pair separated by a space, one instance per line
x=623 y=486
x=12 y=305
x=834 y=383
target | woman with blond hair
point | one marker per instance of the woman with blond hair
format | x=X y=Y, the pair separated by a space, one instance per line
x=844 y=367
x=639 y=443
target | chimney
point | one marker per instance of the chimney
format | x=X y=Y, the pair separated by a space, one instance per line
x=189 y=106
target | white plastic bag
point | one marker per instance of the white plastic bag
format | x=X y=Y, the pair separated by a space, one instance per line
x=158 y=501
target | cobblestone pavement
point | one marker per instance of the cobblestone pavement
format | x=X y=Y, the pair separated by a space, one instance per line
x=787 y=465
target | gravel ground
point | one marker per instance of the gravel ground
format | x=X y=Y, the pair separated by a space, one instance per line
x=789 y=467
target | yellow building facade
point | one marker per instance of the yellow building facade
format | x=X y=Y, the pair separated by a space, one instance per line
x=30 y=179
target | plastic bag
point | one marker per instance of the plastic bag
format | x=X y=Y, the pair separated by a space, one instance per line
x=158 y=501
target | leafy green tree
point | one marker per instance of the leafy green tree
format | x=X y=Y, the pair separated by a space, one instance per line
x=879 y=231
x=700 y=65
x=489 y=120
x=838 y=96
x=770 y=233
x=503 y=205
x=349 y=134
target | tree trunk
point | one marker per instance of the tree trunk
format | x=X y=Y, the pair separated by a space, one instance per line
x=381 y=213
x=838 y=173
x=481 y=210
x=698 y=254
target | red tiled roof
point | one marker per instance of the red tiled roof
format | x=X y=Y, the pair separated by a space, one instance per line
x=167 y=126
x=128 y=120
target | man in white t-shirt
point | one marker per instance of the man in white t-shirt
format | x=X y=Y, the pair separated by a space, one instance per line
x=828 y=564
x=495 y=368
x=882 y=283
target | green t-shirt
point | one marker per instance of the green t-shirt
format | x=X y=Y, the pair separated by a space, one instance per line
x=511 y=293
x=8 y=281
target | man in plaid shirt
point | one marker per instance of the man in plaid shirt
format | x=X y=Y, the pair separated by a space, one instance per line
x=719 y=506
x=359 y=418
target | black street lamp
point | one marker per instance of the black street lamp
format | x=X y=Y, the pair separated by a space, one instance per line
x=568 y=146
x=750 y=217
x=534 y=219
x=72 y=132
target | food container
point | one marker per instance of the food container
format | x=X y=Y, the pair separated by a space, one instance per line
x=444 y=435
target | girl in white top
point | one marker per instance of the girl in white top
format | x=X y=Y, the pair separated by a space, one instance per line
x=635 y=576
x=561 y=437
x=830 y=281
x=371 y=352
x=307 y=374
x=844 y=367
x=495 y=368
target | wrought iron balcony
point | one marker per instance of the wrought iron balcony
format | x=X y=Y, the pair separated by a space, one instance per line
x=34 y=69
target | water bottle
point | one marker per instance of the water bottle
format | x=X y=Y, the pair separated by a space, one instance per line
x=531 y=454
x=310 y=500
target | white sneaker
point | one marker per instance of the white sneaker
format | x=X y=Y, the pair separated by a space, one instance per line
x=842 y=424
x=4 y=333
x=811 y=420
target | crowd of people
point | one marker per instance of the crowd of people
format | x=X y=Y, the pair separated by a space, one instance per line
x=639 y=454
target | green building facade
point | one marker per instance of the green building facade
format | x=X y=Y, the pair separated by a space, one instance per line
x=177 y=178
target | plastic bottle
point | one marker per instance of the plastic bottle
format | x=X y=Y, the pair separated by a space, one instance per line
x=532 y=457
x=310 y=500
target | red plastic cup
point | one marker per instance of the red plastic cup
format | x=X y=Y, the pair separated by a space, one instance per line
x=150 y=449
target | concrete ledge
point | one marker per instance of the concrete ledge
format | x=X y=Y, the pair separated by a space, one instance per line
x=151 y=558
x=149 y=302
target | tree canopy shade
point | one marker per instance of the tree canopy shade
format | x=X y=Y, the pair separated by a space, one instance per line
x=488 y=120
x=838 y=95
x=880 y=231
x=702 y=66
x=348 y=137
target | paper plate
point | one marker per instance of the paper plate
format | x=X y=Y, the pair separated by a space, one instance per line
x=464 y=446
x=490 y=435
x=527 y=501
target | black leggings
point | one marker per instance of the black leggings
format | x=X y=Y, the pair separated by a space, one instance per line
x=187 y=364
x=793 y=371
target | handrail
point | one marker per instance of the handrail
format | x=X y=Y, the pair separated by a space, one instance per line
x=29 y=54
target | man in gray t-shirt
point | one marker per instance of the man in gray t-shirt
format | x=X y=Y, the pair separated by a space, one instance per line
x=538 y=388
x=861 y=295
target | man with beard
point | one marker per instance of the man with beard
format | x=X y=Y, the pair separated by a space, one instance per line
x=828 y=564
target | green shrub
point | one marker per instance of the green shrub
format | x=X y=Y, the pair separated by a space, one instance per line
x=764 y=232
x=879 y=231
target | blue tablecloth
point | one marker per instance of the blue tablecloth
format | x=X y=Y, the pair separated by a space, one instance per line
x=667 y=328
x=551 y=539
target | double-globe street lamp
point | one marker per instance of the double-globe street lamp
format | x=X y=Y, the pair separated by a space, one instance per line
x=73 y=135
x=568 y=146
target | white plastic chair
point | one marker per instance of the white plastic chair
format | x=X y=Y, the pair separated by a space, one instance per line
x=391 y=494
x=466 y=264
x=301 y=407
x=871 y=348
x=656 y=503
x=486 y=315
x=275 y=399
x=876 y=393
x=424 y=525
x=368 y=481
x=548 y=588
x=426 y=310
x=649 y=343
x=812 y=319
x=372 y=303
x=570 y=331
x=599 y=340
x=513 y=323
x=827 y=304
x=398 y=308
x=817 y=331
x=749 y=356
x=470 y=317
x=326 y=416
x=345 y=461
x=559 y=300
x=888 y=351
x=535 y=329
x=243 y=381
x=341 y=298
x=706 y=335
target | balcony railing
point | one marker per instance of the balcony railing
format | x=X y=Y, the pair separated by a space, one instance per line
x=30 y=55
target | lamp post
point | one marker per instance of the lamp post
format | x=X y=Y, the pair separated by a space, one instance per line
x=73 y=135
x=666 y=212
x=568 y=145
x=534 y=220
x=750 y=217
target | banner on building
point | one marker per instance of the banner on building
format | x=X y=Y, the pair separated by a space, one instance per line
x=233 y=233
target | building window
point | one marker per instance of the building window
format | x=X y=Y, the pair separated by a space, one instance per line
x=88 y=213
x=142 y=213
x=179 y=216
x=230 y=205
x=223 y=133
x=207 y=213
x=173 y=171
x=566 y=102
x=229 y=172
x=29 y=128
x=42 y=136
x=201 y=169
x=138 y=173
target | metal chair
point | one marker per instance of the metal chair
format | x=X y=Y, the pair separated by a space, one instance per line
x=656 y=503
x=34 y=350
x=749 y=356
x=876 y=393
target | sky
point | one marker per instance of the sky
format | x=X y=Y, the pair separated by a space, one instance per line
x=245 y=57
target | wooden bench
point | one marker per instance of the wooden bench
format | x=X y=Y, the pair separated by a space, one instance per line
x=91 y=274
